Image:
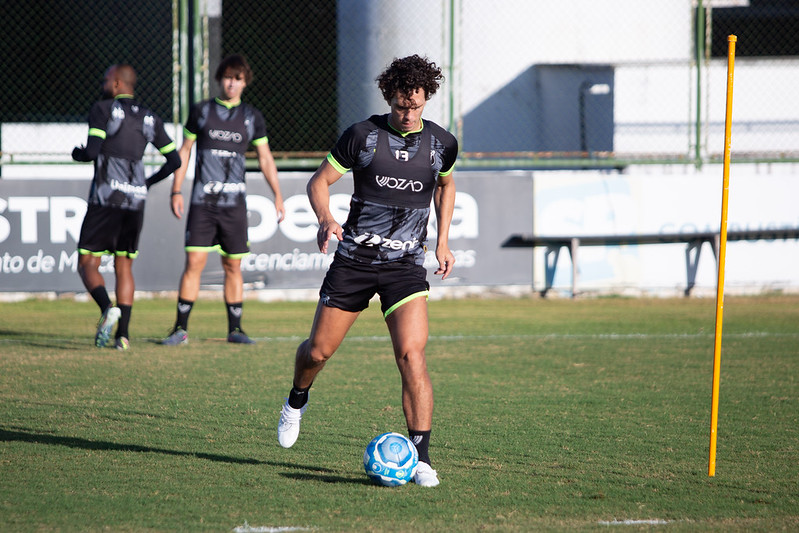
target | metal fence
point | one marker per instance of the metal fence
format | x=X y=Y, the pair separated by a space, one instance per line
x=576 y=83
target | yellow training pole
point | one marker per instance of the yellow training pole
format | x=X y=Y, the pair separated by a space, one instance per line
x=714 y=410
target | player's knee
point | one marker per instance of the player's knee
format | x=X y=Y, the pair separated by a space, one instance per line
x=314 y=354
x=411 y=359
x=317 y=355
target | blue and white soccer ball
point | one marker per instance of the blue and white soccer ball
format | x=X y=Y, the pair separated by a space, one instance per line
x=390 y=459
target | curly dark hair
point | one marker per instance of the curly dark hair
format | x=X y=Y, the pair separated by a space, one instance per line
x=238 y=64
x=408 y=74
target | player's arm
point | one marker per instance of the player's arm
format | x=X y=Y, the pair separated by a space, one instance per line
x=444 y=204
x=90 y=151
x=94 y=141
x=166 y=146
x=180 y=174
x=172 y=164
x=269 y=169
x=318 y=190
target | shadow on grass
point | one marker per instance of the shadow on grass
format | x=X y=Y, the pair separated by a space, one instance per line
x=363 y=480
x=85 y=444
x=40 y=339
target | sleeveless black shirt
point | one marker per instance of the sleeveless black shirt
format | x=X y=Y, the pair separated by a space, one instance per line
x=390 y=206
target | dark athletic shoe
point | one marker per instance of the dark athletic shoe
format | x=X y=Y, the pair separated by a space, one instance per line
x=239 y=337
x=177 y=337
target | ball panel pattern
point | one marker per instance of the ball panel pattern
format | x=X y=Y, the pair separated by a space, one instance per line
x=390 y=459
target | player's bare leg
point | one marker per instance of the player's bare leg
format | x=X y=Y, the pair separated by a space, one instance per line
x=234 y=283
x=125 y=289
x=408 y=327
x=125 y=284
x=234 y=300
x=409 y=331
x=190 y=280
x=329 y=328
x=187 y=295
x=89 y=270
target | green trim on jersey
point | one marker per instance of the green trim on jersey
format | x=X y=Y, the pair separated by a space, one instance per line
x=448 y=172
x=189 y=135
x=335 y=164
x=405 y=300
x=260 y=142
x=227 y=104
x=97 y=132
x=117 y=97
x=406 y=133
x=171 y=147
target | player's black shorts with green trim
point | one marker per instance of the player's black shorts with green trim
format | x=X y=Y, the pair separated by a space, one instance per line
x=215 y=228
x=110 y=230
x=350 y=284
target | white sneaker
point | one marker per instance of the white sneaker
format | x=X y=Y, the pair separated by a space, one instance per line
x=105 y=325
x=425 y=476
x=288 y=429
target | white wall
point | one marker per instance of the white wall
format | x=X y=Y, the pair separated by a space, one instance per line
x=501 y=39
x=53 y=143
x=648 y=200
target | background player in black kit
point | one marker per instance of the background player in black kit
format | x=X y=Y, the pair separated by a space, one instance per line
x=399 y=164
x=119 y=130
x=223 y=128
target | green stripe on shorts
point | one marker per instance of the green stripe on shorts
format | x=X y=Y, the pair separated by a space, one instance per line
x=404 y=301
x=84 y=251
x=218 y=249
x=206 y=249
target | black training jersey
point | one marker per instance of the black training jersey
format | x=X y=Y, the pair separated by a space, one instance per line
x=394 y=179
x=125 y=127
x=223 y=134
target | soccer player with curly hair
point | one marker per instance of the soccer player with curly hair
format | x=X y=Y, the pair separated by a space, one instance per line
x=400 y=163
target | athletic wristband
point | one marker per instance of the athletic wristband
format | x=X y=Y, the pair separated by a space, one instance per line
x=174 y=193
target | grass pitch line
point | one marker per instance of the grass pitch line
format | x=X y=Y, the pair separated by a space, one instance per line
x=247 y=528
x=554 y=336
x=531 y=336
x=654 y=522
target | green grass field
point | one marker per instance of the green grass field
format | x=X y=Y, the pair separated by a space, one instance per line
x=550 y=415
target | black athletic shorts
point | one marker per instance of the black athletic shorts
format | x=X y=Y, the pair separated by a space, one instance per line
x=349 y=285
x=110 y=230
x=222 y=229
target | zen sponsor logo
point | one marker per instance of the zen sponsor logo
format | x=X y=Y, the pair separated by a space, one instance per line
x=400 y=184
x=224 y=135
x=372 y=239
x=219 y=187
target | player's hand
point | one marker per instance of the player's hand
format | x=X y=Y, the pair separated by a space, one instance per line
x=327 y=230
x=281 y=211
x=79 y=154
x=177 y=205
x=445 y=261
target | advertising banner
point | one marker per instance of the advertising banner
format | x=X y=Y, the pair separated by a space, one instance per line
x=40 y=223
